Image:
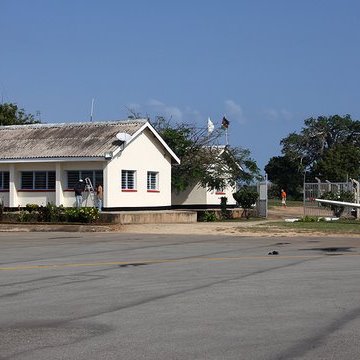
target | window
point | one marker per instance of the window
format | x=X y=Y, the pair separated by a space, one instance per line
x=4 y=180
x=38 y=180
x=153 y=180
x=73 y=176
x=219 y=192
x=128 y=180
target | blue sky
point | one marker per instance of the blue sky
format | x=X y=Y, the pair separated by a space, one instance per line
x=267 y=65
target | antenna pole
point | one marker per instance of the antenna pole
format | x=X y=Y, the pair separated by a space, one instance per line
x=92 y=109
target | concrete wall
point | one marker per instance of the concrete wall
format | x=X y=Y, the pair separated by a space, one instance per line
x=149 y=217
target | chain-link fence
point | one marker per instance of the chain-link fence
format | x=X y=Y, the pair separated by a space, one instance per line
x=314 y=191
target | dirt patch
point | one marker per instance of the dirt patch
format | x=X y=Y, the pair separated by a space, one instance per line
x=263 y=228
x=279 y=212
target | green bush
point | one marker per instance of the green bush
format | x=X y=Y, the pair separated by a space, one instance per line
x=346 y=196
x=25 y=216
x=51 y=213
x=246 y=198
x=208 y=216
x=308 y=219
x=31 y=207
x=223 y=207
x=82 y=215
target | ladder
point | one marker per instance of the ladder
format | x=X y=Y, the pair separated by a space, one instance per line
x=91 y=192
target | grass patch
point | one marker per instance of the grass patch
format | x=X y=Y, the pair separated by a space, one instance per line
x=338 y=227
x=274 y=203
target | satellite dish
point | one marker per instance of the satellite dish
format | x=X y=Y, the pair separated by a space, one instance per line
x=123 y=137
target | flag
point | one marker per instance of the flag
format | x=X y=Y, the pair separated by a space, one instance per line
x=225 y=122
x=210 y=126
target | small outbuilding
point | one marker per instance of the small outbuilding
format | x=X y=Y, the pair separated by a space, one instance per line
x=198 y=196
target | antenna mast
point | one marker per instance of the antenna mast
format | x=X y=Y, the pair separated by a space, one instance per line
x=92 y=109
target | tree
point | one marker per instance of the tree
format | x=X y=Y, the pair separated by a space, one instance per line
x=326 y=147
x=285 y=173
x=10 y=114
x=318 y=137
x=204 y=162
x=340 y=163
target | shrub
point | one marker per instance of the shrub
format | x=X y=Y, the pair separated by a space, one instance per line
x=308 y=219
x=223 y=204
x=82 y=215
x=246 y=198
x=25 y=216
x=346 y=196
x=31 y=207
x=208 y=216
x=51 y=213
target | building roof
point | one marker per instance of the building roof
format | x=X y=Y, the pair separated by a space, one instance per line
x=70 y=140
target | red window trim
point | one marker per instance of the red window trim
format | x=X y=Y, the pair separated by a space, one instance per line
x=219 y=193
x=153 y=191
x=128 y=190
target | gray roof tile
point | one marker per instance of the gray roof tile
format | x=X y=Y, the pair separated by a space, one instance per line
x=63 y=140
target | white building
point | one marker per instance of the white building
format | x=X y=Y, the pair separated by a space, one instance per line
x=41 y=163
x=200 y=197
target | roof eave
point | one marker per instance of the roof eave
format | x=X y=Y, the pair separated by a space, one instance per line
x=54 y=159
x=160 y=139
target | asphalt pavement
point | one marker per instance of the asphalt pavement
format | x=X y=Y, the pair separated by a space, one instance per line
x=148 y=296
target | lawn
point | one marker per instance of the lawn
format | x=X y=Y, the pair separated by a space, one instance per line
x=273 y=203
x=328 y=227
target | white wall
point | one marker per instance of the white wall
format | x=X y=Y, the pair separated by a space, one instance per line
x=4 y=198
x=21 y=198
x=142 y=155
x=67 y=197
x=4 y=195
x=214 y=198
x=68 y=194
x=195 y=195
x=198 y=195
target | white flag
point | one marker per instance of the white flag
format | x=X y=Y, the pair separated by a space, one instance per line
x=210 y=126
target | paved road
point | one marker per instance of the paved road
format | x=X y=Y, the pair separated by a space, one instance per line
x=130 y=296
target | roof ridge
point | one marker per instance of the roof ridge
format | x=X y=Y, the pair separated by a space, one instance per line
x=97 y=123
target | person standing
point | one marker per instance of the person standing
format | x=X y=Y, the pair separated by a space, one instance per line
x=79 y=189
x=99 y=196
x=283 y=197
